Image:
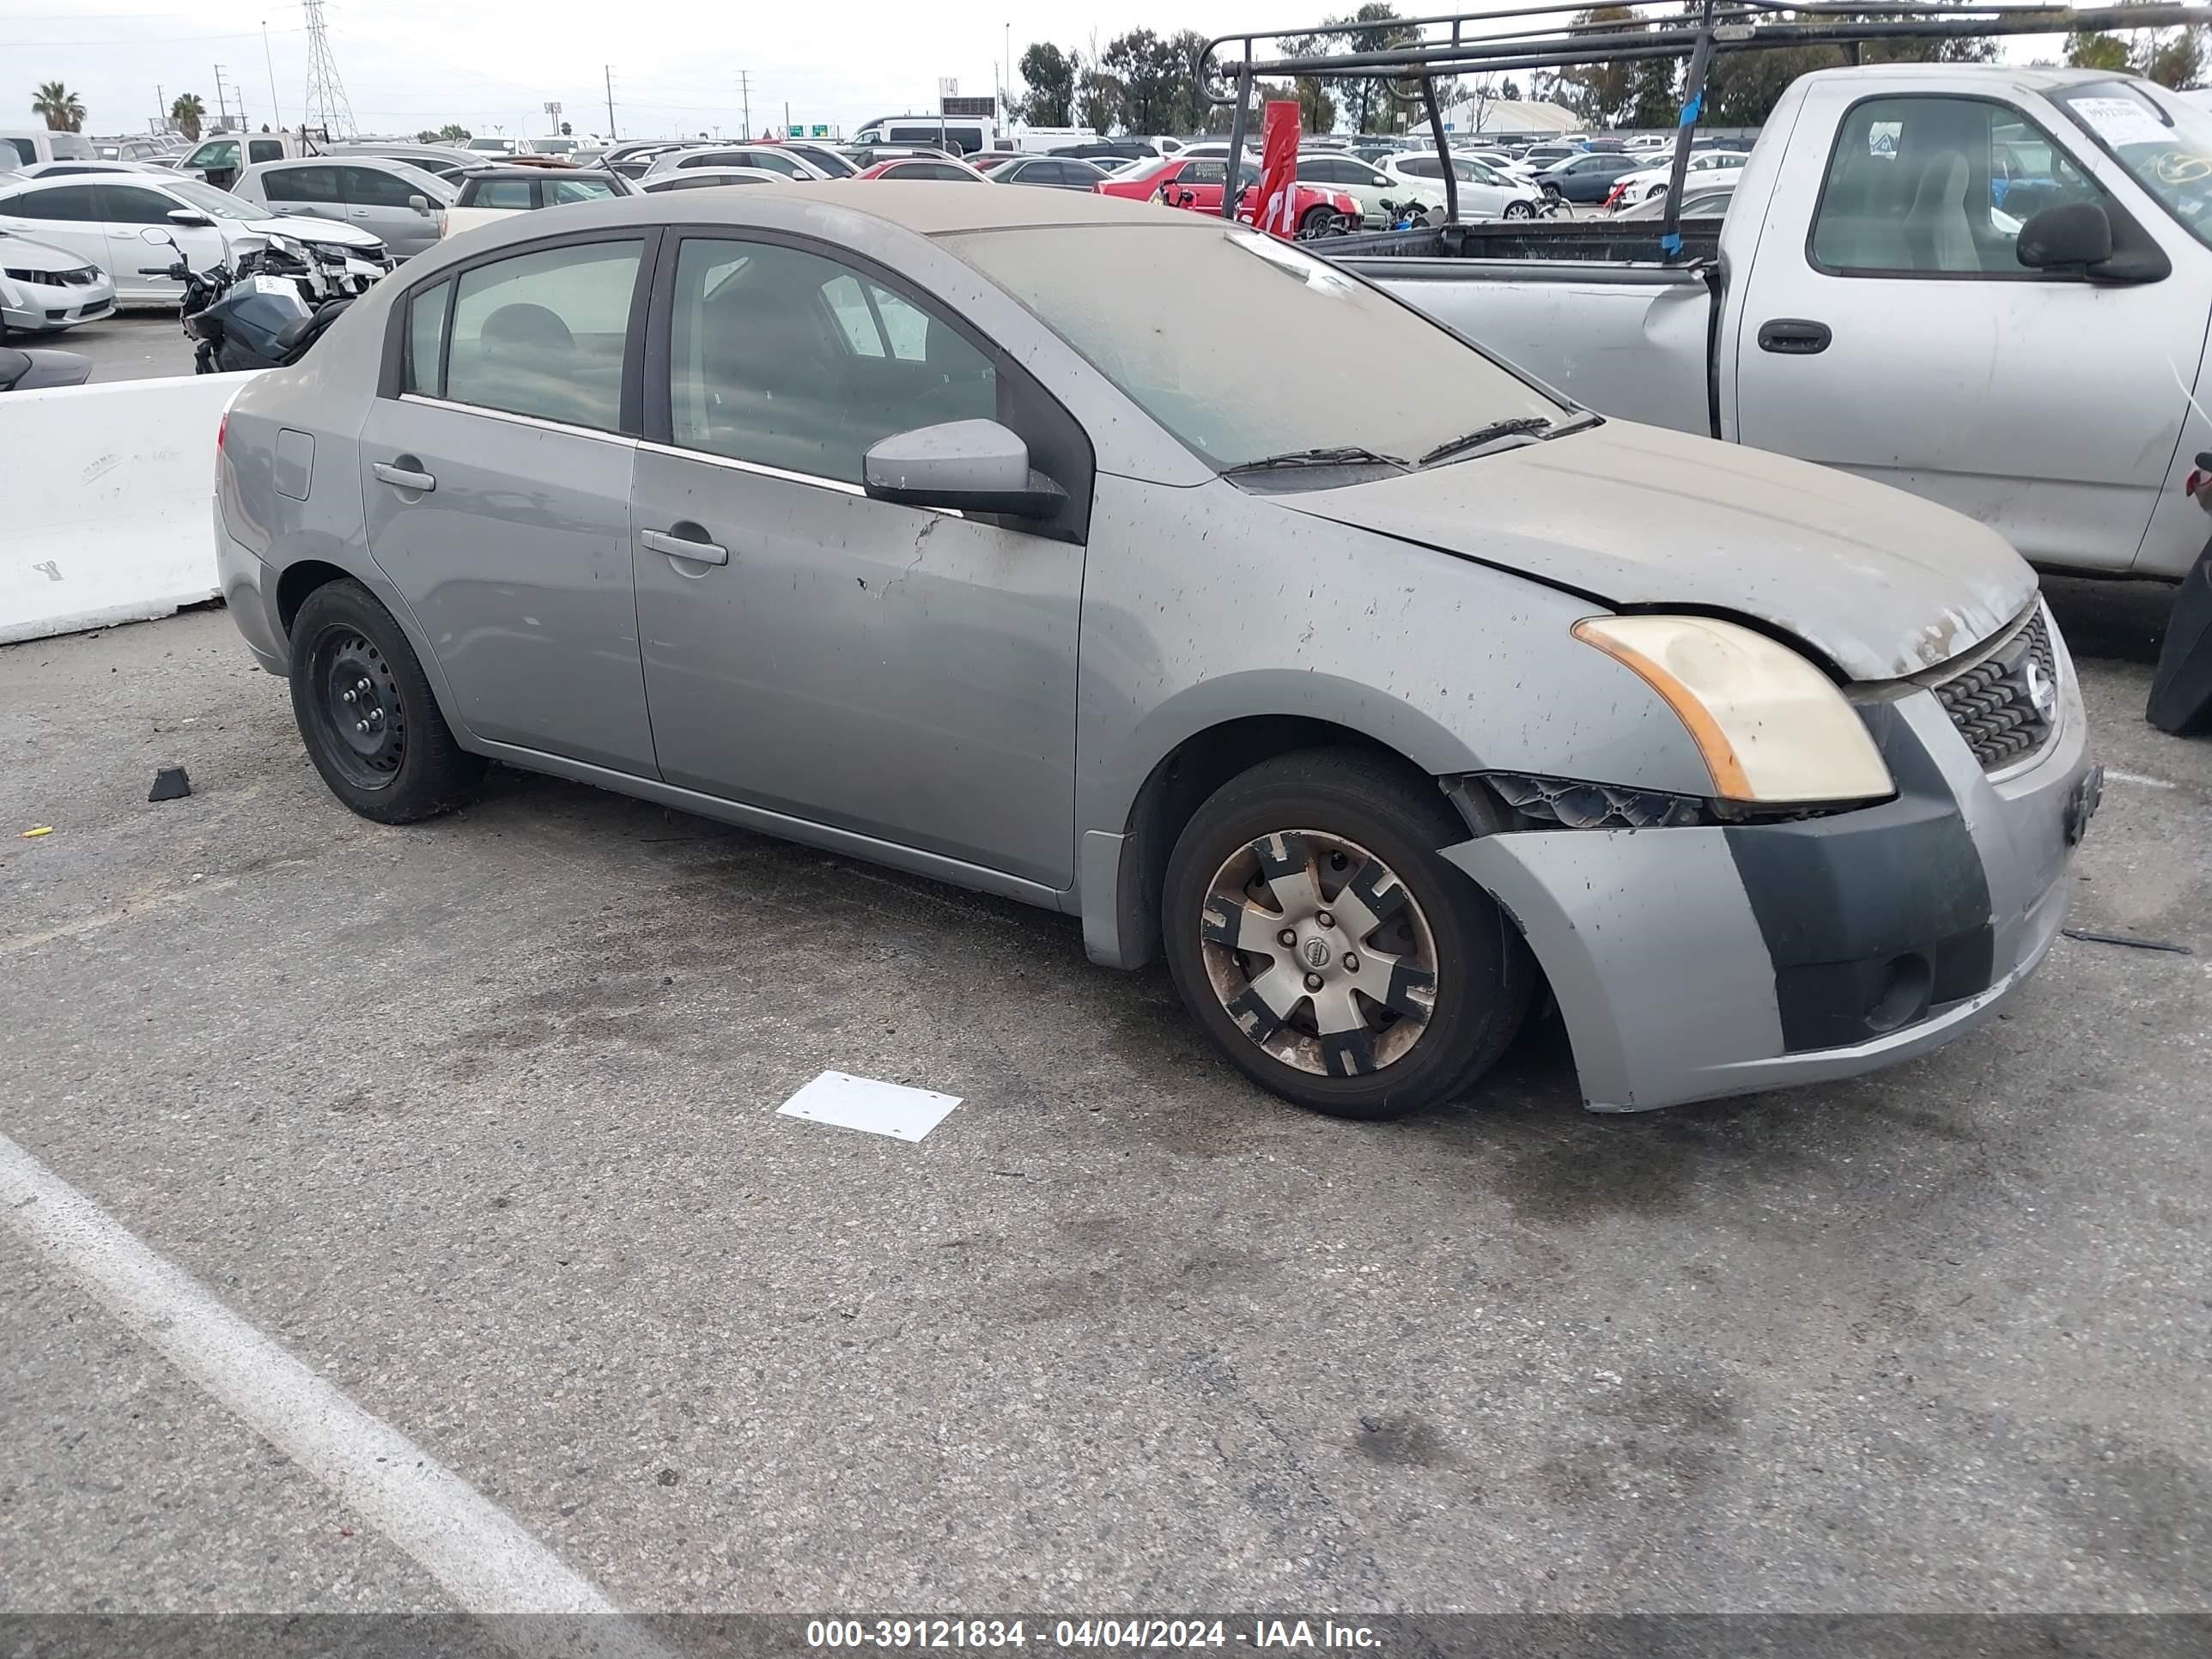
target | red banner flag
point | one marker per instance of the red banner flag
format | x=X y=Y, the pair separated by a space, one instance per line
x=1276 y=208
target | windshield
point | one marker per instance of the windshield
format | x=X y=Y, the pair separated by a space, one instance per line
x=2165 y=144
x=1264 y=350
x=216 y=204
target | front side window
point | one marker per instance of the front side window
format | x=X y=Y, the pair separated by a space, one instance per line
x=545 y=333
x=223 y=153
x=128 y=204
x=787 y=359
x=373 y=187
x=27 y=152
x=1933 y=186
x=206 y=198
x=1220 y=379
x=2165 y=144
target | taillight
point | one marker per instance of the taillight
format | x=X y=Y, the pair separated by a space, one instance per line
x=222 y=432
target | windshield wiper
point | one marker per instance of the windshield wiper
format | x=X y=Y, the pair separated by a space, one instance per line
x=1533 y=425
x=1328 y=455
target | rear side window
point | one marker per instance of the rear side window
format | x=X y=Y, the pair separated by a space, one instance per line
x=545 y=333
x=263 y=149
x=496 y=193
x=71 y=204
x=301 y=185
x=1422 y=167
x=426 y=340
x=25 y=150
x=559 y=192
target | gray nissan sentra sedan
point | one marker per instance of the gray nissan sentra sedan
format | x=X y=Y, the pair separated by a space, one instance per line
x=1137 y=566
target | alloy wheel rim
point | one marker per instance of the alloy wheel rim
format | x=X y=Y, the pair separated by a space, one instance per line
x=357 y=701
x=1318 y=953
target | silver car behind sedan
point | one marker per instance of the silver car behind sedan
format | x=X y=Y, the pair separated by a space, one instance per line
x=1269 y=627
x=45 y=289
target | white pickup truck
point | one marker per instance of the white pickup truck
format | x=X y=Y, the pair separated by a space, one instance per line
x=1990 y=286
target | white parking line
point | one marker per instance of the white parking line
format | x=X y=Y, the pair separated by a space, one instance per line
x=472 y=1546
x=2136 y=777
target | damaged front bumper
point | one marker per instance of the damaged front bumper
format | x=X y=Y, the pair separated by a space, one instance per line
x=1701 y=961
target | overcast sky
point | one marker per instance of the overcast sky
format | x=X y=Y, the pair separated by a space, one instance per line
x=492 y=64
x=410 y=63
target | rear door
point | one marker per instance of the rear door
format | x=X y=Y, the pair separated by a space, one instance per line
x=1888 y=327
x=895 y=672
x=496 y=469
x=310 y=188
x=64 y=217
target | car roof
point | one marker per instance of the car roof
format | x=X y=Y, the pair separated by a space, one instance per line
x=923 y=207
x=525 y=170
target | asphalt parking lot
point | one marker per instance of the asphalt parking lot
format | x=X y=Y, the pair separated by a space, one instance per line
x=478 y=1120
x=138 y=345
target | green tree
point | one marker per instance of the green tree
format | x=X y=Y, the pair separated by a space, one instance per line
x=1152 y=82
x=187 y=111
x=1602 y=92
x=1317 y=106
x=1098 y=96
x=453 y=133
x=1655 y=99
x=1373 y=107
x=62 y=110
x=1050 y=75
x=2176 y=61
x=2087 y=49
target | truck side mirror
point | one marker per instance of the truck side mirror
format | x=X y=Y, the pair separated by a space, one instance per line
x=2072 y=235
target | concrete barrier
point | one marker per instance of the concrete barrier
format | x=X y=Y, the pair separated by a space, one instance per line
x=105 y=497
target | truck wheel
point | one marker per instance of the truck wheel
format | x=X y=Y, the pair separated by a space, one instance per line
x=1519 y=210
x=1330 y=952
x=365 y=709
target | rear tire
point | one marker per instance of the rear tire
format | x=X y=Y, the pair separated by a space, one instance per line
x=367 y=712
x=1404 y=982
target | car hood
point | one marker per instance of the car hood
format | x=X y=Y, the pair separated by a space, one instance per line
x=27 y=255
x=301 y=228
x=1881 y=583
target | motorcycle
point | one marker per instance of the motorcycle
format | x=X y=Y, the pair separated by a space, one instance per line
x=265 y=314
x=1409 y=214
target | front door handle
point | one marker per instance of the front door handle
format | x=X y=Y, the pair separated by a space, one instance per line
x=699 y=551
x=401 y=478
x=1794 y=337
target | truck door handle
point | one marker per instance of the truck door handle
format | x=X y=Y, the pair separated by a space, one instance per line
x=1794 y=337
x=698 y=550
x=401 y=478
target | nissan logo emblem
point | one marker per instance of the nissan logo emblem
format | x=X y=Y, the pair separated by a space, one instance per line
x=1316 y=953
x=2042 y=689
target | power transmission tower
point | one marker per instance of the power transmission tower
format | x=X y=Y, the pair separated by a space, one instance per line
x=745 y=91
x=327 y=107
x=610 y=69
x=222 y=104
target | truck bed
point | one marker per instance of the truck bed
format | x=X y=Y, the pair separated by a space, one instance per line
x=1588 y=307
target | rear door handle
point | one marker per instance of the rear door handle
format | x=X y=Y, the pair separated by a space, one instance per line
x=1794 y=337
x=400 y=477
x=683 y=547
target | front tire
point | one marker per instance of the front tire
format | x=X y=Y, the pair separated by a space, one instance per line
x=367 y=712
x=1328 y=949
x=1519 y=210
x=1316 y=222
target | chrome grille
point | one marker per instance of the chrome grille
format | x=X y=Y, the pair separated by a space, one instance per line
x=1994 y=704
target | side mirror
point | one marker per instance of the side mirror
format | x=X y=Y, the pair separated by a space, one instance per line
x=156 y=236
x=421 y=204
x=971 y=466
x=2073 y=235
x=190 y=218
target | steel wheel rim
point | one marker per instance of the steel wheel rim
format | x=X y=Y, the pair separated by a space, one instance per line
x=1318 y=953
x=356 y=702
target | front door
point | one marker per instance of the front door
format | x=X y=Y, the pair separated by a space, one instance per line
x=1902 y=340
x=498 y=484
x=904 y=674
x=125 y=211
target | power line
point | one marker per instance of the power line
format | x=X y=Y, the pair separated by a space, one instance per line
x=326 y=105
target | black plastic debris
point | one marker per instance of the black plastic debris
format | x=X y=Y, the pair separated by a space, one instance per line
x=170 y=783
x=2086 y=936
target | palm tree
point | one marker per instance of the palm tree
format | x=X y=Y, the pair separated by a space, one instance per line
x=188 y=112
x=62 y=110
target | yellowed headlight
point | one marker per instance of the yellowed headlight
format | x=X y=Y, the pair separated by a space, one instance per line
x=1771 y=727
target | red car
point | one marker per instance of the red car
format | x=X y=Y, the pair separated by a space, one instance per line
x=922 y=167
x=1197 y=186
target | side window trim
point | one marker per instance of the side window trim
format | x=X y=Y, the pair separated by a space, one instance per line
x=1869 y=274
x=1033 y=402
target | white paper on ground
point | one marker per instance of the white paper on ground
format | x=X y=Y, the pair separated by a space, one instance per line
x=861 y=1102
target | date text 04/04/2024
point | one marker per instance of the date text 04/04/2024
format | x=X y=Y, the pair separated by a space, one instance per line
x=932 y=1633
